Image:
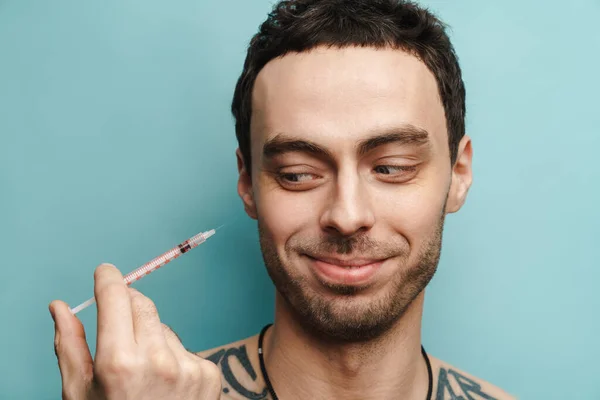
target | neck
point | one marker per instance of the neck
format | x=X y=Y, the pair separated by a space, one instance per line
x=302 y=365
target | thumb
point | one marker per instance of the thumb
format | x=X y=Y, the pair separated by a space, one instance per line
x=71 y=348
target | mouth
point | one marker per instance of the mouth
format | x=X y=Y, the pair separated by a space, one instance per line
x=345 y=271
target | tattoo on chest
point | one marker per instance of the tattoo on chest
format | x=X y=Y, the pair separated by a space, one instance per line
x=451 y=384
x=454 y=386
x=222 y=359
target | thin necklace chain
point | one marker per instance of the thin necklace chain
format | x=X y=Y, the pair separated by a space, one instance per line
x=270 y=386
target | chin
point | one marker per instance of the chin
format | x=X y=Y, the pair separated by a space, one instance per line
x=347 y=314
x=343 y=305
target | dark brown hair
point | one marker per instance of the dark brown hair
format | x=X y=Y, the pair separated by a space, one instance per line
x=301 y=25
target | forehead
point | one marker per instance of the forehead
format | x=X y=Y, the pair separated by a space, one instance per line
x=337 y=96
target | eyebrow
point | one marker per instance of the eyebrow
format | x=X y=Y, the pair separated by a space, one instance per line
x=403 y=135
x=282 y=144
x=406 y=135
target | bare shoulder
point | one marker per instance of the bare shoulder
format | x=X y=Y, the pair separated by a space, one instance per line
x=450 y=382
x=241 y=377
x=240 y=372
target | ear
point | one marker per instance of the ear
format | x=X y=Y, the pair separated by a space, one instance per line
x=244 y=186
x=462 y=176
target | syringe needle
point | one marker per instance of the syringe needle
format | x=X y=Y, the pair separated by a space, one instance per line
x=156 y=263
x=225 y=224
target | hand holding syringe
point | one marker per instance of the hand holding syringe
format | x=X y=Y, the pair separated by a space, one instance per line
x=156 y=263
x=137 y=356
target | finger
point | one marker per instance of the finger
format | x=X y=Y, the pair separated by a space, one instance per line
x=115 y=322
x=173 y=341
x=146 y=322
x=70 y=346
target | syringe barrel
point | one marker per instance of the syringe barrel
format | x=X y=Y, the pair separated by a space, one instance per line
x=201 y=237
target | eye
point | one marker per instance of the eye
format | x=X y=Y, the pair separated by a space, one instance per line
x=298 y=181
x=395 y=173
x=393 y=169
x=296 y=178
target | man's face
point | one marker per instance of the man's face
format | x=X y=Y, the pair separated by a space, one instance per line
x=350 y=183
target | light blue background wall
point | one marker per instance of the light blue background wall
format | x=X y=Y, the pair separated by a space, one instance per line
x=116 y=143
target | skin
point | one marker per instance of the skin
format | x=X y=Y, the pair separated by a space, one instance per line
x=395 y=195
x=250 y=385
x=137 y=357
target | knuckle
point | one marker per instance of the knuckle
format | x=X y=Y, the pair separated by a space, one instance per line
x=211 y=374
x=213 y=382
x=143 y=310
x=139 y=301
x=191 y=371
x=164 y=365
x=118 y=366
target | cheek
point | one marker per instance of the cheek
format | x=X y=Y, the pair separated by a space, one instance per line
x=415 y=210
x=283 y=213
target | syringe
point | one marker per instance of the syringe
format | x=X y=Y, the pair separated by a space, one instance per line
x=156 y=263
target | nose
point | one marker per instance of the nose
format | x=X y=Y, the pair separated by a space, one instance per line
x=349 y=210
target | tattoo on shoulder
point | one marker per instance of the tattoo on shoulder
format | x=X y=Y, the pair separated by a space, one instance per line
x=467 y=389
x=451 y=384
x=222 y=359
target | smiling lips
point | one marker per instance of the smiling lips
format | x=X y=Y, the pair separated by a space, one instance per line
x=352 y=271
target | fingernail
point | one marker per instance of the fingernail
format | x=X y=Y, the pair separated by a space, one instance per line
x=56 y=344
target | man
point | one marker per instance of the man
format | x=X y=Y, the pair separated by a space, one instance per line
x=352 y=150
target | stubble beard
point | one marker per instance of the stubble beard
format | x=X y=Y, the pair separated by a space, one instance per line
x=348 y=318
